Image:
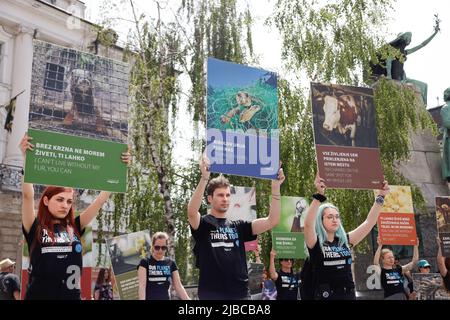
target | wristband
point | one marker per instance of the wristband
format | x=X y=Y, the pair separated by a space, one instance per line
x=319 y=197
x=379 y=200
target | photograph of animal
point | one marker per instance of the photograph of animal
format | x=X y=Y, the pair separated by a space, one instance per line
x=83 y=112
x=343 y=116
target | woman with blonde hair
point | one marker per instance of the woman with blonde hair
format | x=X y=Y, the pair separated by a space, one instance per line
x=391 y=275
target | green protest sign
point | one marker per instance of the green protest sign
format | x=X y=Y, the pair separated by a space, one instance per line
x=287 y=236
x=72 y=161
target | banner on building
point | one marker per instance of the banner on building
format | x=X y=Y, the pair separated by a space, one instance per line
x=443 y=223
x=345 y=136
x=242 y=120
x=288 y=236
x=396 y=223
x=126 y=252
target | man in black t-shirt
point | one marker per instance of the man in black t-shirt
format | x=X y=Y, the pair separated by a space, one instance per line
x=219 y=247
x=9 y=282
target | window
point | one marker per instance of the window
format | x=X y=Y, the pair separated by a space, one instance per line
x=54 y=77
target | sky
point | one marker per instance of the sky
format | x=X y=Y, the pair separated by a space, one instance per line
x=430 y=64
x=226 y=74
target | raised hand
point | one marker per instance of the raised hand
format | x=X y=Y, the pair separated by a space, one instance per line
x=25 y=144
x=320 y=184
x=126 y=157
x=380 y=243
x=384 y=191
x=204 y=167
x=280 y=178
x=273 y=253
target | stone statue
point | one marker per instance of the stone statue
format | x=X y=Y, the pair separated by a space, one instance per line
x=445 y=114
x=393 y=68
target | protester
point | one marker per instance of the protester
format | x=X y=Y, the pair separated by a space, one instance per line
x=53 y=236
x=219 y=242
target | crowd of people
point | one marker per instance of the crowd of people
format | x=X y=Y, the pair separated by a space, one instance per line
x=53 y=232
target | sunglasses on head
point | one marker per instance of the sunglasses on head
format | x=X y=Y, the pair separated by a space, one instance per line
x=157 y=248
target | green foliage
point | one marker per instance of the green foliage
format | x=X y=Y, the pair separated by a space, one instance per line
x=218 y=28
x=332 y=40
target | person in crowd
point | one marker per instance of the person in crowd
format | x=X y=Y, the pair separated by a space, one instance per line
x=157 y=273
x=219 y=242
x=286 y=280
x=103 y=287
x=329 y=245
x=53 y=235
x=391 y=275
x=9 y=282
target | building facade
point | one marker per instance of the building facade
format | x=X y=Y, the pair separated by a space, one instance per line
x=59 y=22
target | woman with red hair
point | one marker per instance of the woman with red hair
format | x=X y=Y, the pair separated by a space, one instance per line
x=54 y=238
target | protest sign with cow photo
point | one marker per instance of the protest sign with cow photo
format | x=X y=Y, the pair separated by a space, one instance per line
x=345 y=136
x=443 y=223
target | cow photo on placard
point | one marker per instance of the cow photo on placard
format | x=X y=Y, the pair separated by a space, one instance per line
x=443 y=223
x=345 y=136
x=78 y=93
x=344 y=116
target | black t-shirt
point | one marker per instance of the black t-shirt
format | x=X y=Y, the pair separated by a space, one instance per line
x=221 y=257
x=9 y=283
x=105 y=291
x=287 y=285
x=55 y=267
x=392 y=281
x=159 y=277
x=332 y=271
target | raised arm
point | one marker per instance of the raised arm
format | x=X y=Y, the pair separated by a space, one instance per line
x=410 y=265
x=364 y=228
x=92 y=210
x=376 y=257
x=263 y=224
x=28 y=214
x=196 y=200
x=441 y=259
x=272 y=271
x=423 y=44
x=178 y=286
x=142 y=279
x=310 y=218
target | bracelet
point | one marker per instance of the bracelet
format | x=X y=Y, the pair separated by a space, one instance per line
x=380 y=200
x=274 y=197
x=277 y=195
x=319 y=197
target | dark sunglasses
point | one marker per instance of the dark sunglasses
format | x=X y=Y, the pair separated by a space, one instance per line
x=157 y=248
x=284 y=259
